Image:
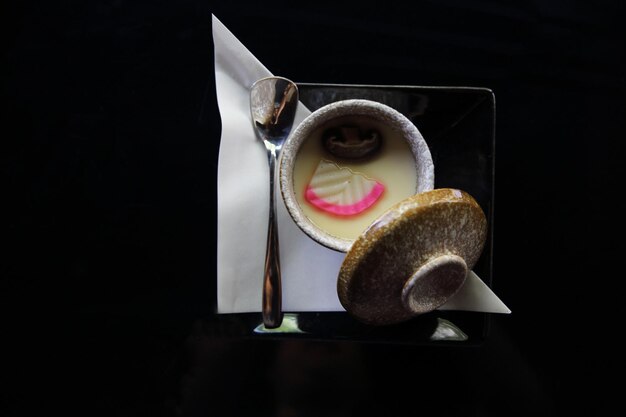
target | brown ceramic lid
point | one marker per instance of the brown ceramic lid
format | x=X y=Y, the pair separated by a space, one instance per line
x=413 y=258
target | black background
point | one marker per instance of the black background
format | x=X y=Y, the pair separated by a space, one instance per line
x=108 y=160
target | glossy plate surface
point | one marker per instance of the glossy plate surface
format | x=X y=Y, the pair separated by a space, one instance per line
x=458 y=124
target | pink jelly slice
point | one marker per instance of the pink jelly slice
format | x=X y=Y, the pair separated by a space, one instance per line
x=341 y=191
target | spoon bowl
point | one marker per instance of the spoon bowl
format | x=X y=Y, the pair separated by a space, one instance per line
x=273 y=104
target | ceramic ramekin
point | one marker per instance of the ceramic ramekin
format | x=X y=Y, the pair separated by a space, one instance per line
x=360 y=108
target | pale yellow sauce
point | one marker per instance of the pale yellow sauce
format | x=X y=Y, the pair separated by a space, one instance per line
x=393 y=166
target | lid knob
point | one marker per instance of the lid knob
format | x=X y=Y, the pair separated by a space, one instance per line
x=433 y=283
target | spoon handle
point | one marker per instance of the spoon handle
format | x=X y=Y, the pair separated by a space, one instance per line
x=272 y=293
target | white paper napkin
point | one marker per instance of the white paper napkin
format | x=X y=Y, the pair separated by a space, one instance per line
x=309 y=270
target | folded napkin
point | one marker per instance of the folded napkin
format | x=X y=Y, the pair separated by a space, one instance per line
x=309 y=270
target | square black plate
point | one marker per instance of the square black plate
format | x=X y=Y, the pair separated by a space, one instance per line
x=458 y=123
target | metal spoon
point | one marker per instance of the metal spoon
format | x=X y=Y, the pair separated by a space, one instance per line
x=273 y=103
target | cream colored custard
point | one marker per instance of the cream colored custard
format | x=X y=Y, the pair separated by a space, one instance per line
x=393 y=166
